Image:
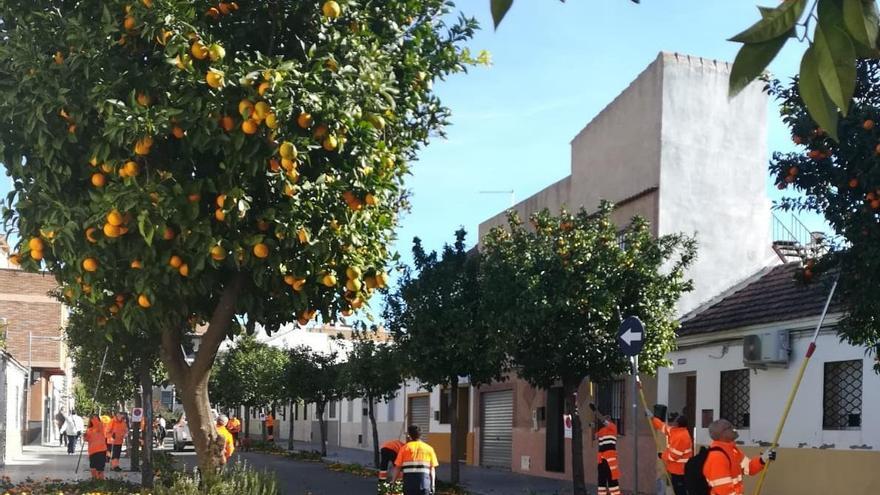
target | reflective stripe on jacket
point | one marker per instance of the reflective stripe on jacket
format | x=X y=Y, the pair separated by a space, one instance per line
x=679 y=447
x=724 y=470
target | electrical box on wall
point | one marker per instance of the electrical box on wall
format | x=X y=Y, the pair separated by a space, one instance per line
x=767 y=349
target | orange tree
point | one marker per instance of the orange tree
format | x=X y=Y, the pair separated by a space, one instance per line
x=841 y=181
x=559 y=289
x=215 y=163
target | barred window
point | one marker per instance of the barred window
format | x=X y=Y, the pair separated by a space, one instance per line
x=735 y=402
x=350 y=411
x=842 y=396
x=332 y=408
x=611 y=400
x=391 y=405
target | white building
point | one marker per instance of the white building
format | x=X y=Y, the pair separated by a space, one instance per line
x=13 y=381
x=737 y=359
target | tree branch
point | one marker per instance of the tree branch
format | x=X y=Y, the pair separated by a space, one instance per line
x=173 y=355
x=218 y=326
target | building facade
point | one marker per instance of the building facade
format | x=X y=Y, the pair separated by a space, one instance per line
x=737 y=359
x=13 y=380
x=34 y=322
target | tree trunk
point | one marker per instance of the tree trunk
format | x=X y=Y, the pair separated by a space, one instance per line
x=454 y=467
x=247 y=422
x=372 y=411
x=577 y=439
x=290 y=432
x=192 y=379
x=147 y=465
x=263 y=426
x=135 y=435
x=319 y=409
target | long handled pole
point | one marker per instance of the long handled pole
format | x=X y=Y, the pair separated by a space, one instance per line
x=797 y=383
x=652 y=430
x=94 y=395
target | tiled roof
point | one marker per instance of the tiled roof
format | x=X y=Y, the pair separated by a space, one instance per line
x=774 y=296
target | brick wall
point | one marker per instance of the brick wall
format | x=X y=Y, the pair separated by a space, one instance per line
x=27 y=307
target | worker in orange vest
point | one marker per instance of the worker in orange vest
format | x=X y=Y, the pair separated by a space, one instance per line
x=726 y=464
x=118 y=434
x=608 y=477
x=96 y=439
x=234 y=427
x=679 y=448
x=270 y=427
x=228 y=441
x=418 y=463
x=105 y=422
x=388 y=452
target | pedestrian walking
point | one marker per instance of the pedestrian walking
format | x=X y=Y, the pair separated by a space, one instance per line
x=72 y=429
x=234 y=427
x=162 y=429
x=679 y=448
x=388 y=452
x=270 y=427
x=60 y=419
x=725 y=464
x=97 y=440
x=608 y=477
x=118 y=435
x=418 y=463
x=228 y=442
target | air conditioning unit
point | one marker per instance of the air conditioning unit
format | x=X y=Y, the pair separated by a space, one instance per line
x=767 y=349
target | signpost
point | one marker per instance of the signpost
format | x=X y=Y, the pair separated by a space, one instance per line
x=137 y=415
x=630 y=338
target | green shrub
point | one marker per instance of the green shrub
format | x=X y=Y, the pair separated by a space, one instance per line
x=237 y=479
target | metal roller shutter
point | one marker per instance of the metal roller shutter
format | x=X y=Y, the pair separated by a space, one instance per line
x=496 y=434
x=420 y=412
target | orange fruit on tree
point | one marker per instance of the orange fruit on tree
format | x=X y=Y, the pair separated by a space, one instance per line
x=320 y=132
x=371 y=282
x=330 y=143
x=218 y=253
x=59 y=58
x=250 y=126
x=288 y=164
x=213 y=13
x=289 y=280
x=143 y=99
x=853 y=183
x=15 y=259
x=37 y=254
x=220 y=201
x=143 y=145
x=98 y=179
x=245 y=108
x=290 y=190
x=90 y=235
x=175 y=261
x=262 y=110
x=90 y=264
x=114 y=218
x=214 y=78
x=304 y=120
x=271 y=121
x=274 y=165
x=381 y=280
x=261 y=250
x=144 y=301
x=227 y=123
x=199 y=50
x=130 y=169
x=371 y=200
x=298 y=284
x=302 y=235
x=112 y=231
x=353 y=272
x=183 y=270
x=288 y=150
x=331 y=9
x=194 y=197
x=220 y=215
x=129 y=23
x=262 y=88
x=168 y=234
x=224 y=8
x=868 y=125
x=178 y=132
x=36 y=244
x=353 y=284
x=136 y=265
x=329 y=279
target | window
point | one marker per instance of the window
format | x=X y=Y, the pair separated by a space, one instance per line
x=445 y=399
x=391 y=405
x=735 y=402
x=167 y=399
x=284 y=413
x=305 y=412
x=611 y=400
x=332 y=409
x=295 y=411
x=842 y=396
x=350 y=411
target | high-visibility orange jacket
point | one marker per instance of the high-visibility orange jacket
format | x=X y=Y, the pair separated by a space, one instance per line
x=270 y=420
x=118 y=431
x=724 y=470
x=95 y=437
x=229 y=446
x=234 y=425
x=416 y=460
x=679 y=447
x=607 y=439
x=392 y=445
x=105 y=421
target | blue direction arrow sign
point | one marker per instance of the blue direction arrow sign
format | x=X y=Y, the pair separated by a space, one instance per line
x=631 y=336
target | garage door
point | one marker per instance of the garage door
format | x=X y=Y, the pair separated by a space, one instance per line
x=420 y=412
x=496 y=434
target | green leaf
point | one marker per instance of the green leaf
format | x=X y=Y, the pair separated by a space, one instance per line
x=751 y=61
x=836 y=63
x=499 y=9
x=774 y=24
x=819 y=105
x=861 y=20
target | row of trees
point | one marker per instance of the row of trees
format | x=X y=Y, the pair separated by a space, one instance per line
x=542 y=300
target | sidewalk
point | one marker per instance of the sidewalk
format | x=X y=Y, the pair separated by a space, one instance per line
x=477 y=480
x=41 y=462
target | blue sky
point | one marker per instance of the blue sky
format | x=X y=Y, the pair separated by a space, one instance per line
x=555 y=66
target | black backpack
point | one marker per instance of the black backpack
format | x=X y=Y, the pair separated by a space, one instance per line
x=693 y=472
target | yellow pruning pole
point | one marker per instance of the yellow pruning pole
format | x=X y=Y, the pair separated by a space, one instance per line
x=797 y=383
x=652 y=430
